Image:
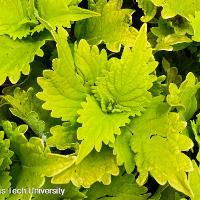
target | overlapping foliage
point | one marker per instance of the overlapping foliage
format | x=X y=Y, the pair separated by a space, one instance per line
x=100 y=98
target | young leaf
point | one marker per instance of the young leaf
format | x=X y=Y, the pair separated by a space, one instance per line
x=112 y=27
x=172 y=73
x=90 y=61
x=96 y=167
x=183 y=98
x=97 y=127
x=168 y=38
x=126 y=84
x=158 y=146
x=170 y=42
x=64 y=136
x=189 y=9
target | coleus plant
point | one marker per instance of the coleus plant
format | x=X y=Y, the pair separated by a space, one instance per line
x=98 y=105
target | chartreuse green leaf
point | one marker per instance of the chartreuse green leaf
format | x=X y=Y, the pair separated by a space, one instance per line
x=27 y=107
x=97 y=127
x=196 y=132
x=189 y=9
x=172 y=8
x=166 y=192
x=158 y=144
x=35 y=162
x=123 y=152
x=159 y=87
x=172 y=73
x=90 y=61
x=195 y=25
x=5 y=162
x=63 y=137
x=167 y=37
x=181 y=25
x=16 y=18
x=63 y=90
x=91 y=135
x=96 y=167
x=125 y=86
x=5 y=153
x=148 y=8
x=5 y=184
x=121 y=187
x=183 y=98
x=61 y=13
x=71 y=192
x=113 y=27
x=194 y=181
x=16 y=56
x=170 y=42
